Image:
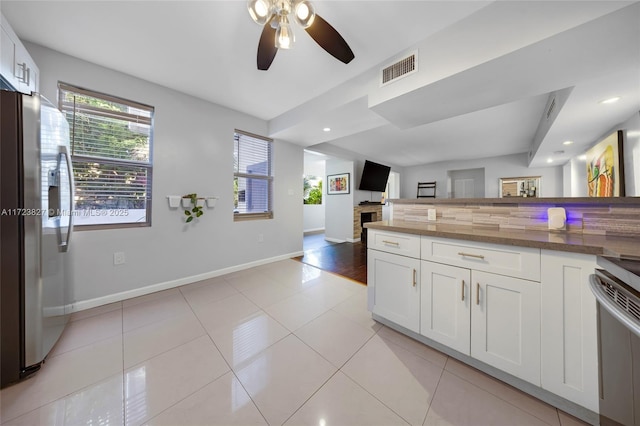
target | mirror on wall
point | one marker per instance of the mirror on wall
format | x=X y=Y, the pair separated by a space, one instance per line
x=526 y=186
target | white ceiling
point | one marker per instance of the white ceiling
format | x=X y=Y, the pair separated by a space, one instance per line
x=490 y=67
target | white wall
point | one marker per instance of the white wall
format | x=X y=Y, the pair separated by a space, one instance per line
x=192 y=152
x=358 y=160
x=575 y=178
x=477 y=175
x=631 y=150
x=514 y=165
x=339 y=207
x=314 y=216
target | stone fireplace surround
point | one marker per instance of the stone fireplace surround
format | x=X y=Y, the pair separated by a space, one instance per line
x=371 y=213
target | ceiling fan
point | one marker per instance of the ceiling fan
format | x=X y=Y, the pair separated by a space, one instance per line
x=274 y=15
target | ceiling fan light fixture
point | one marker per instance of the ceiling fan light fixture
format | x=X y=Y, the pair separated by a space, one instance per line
x=305 y=13
x=260 y=11
x=277 y=32
x=284 y=34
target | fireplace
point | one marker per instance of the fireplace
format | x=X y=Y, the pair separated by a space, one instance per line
x=361 y=215
x=364 y=218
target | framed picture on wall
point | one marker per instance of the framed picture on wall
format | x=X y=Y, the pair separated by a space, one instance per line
x=338 y=184
x=605 y=177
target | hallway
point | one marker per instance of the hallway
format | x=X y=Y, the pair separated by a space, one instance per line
x=346 y=259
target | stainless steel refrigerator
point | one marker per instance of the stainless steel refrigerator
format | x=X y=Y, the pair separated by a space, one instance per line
x=36 y=220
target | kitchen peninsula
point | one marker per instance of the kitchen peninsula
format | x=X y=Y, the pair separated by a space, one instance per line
x=488 y=283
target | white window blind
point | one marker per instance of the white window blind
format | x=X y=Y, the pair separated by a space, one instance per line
x=111 y=146
x=253 y=178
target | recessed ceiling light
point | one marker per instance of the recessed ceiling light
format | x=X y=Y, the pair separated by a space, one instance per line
x=567 y=142
x=610 y=100
x=558 y=152
x=583 y=157
x=549 y=160
x=326 y=129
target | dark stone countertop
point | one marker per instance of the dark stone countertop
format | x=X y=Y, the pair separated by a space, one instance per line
x=616 y=246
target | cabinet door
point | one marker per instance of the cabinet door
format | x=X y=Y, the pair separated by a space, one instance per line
x=394 y=288
x=505 y=324
x=25 y=70
x=569 y=328
x=445 y=294
x=7 y=57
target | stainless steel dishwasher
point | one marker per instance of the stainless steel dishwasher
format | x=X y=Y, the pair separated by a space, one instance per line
x=617 y=291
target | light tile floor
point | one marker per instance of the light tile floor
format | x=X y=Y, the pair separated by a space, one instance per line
x=283 y=343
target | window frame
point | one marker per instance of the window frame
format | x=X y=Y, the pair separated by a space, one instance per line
x=237 y=216
x=85 y=159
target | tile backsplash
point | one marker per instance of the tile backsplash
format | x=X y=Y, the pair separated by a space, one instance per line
x=597 y=218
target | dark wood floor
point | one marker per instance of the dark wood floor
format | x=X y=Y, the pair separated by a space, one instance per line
x=346 y=259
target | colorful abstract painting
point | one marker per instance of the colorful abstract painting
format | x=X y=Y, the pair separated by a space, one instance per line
x=604 y=167
x=338 y=184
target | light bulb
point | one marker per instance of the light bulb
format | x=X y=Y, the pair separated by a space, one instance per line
x=260 y=10
x=304 y=13
x=284 y=34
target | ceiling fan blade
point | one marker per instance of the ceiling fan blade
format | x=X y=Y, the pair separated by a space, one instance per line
x=330 y=40
x=267 y=47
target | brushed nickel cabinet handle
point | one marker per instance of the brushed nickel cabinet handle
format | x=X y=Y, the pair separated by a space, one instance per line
x=477 y=256
x=415 y=277
x=393 y=243
x=463 y=290
x=477 y=293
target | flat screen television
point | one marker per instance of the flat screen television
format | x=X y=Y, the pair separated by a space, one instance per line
x=374 y=177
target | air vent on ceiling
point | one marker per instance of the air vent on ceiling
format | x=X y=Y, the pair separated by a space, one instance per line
x=552 y=106
x=402 y=68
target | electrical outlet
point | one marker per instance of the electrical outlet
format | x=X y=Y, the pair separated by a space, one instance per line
x=431 y=214
x=261 y=238
x=118 y=258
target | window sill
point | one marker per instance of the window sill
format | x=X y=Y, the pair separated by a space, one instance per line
x=237 y=217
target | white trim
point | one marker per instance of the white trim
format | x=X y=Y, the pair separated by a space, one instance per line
x=353 y=240
x=124 y=295
x=334 y=240
x=312 y=230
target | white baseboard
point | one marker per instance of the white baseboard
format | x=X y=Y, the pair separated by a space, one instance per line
x=334 y=240
x=313 y=231
x=347 y=240
x=129 y=294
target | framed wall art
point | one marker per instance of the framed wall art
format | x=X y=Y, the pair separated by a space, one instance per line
x=338 y=184
x=605 y=177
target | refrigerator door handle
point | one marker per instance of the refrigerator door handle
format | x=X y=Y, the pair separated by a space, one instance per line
x=64 y=246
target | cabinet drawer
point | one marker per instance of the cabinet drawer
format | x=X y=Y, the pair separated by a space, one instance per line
x=394 y=242
x=519 y=262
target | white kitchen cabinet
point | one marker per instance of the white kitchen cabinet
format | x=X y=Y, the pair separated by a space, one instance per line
x=25 y=71
x=520 y=262
x=394 y=242
x=393 y=285
x=505 y=324
x=493 y=318
x=445 y=305
x=16 y=65
x=7 y=56
x=517 y=310
x=569 y=328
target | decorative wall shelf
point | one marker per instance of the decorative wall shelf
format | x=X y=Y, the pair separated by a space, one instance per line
x=176 y=201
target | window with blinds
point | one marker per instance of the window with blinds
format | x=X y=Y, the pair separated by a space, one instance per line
x=111 y=146
x=253 y=178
